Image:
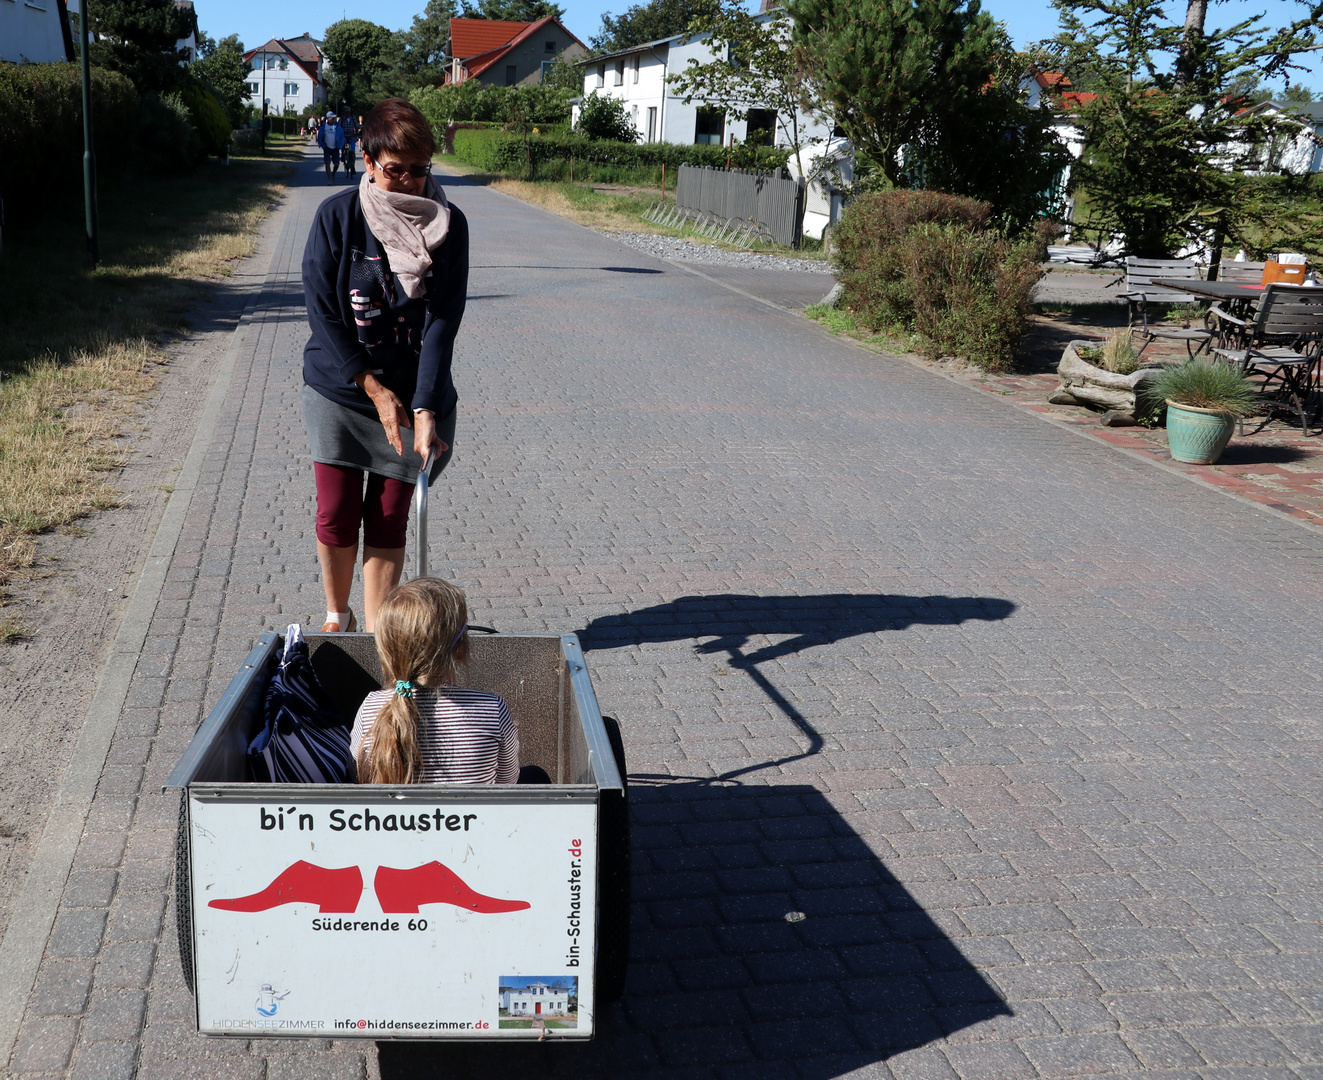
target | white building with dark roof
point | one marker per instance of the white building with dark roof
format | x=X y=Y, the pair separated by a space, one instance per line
x=292 y=71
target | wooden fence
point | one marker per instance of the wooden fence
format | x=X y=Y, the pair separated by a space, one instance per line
x=735 y=195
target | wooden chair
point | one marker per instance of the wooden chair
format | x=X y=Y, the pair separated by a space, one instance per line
x=1282 y=343
x=1241 y=273
x=1140 y=292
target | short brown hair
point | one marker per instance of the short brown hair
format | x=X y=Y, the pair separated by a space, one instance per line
x=397 y=127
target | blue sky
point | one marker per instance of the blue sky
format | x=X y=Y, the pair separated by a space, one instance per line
x=1027 y=20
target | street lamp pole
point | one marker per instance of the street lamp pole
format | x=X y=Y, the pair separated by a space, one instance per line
x=264 y=103
x=89 y=155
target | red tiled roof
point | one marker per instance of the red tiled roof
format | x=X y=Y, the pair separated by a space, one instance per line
x=473 y=37
x=1051 y=78
x=478 y=62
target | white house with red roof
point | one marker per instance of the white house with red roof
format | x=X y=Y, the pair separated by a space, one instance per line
x=508 y=53
x=290 y=71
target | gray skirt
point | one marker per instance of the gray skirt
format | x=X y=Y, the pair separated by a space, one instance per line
x=339 y=435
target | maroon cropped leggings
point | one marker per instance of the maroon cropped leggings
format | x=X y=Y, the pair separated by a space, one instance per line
x=342 y=506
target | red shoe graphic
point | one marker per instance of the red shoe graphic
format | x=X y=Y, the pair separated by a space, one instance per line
x=401 y=891
x=334 y=891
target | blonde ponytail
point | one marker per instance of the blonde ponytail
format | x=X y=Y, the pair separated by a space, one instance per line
x=420 y=631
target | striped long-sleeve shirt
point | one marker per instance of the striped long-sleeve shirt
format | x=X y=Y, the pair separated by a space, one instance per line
x=464 y=736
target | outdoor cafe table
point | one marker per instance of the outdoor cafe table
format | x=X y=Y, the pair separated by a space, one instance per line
x=1234 y=291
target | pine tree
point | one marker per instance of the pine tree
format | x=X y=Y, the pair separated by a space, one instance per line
x=891 y=68
x=138 y=38
x=1170 y=141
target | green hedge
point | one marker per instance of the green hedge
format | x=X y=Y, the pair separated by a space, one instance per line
x=475 y=101
x=501 y=151
x=41 y=120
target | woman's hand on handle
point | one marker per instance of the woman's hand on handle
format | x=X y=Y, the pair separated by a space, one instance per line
x=425 y=438
x=390 y=409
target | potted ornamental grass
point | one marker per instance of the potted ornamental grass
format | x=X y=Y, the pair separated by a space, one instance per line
x=1204 y=399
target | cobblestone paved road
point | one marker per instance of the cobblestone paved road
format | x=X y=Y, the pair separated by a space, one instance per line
x=1027 y=730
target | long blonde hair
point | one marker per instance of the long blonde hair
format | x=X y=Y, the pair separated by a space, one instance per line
x=420 y=631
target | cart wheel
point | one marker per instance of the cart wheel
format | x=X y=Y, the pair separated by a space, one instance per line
x=184 y=896
x=614 y=886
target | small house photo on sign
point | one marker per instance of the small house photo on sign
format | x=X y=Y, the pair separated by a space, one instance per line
x=539 y=1001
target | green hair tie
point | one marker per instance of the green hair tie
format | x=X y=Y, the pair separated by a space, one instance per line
x=404 y=687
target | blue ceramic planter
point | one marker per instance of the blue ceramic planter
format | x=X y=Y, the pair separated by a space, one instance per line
x=1197 y=436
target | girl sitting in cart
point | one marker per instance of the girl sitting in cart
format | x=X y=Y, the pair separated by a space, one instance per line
x=422 y=729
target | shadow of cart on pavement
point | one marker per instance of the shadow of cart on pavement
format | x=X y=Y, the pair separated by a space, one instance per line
x=768 y=939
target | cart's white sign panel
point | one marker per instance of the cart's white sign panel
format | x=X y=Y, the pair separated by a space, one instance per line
x=385 y=918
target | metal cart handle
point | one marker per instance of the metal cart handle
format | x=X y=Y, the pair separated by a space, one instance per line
x=420 y=518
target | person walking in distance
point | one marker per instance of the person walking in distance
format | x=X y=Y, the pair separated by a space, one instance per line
x=331 y=138
x=350 y=127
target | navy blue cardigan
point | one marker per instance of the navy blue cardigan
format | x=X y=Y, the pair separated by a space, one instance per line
x=342 y=254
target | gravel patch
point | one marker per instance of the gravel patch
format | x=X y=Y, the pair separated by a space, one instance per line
x=673 y=247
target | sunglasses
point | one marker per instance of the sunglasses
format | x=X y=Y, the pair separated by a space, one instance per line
x=399 y=172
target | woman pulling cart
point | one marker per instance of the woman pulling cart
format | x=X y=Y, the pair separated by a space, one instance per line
x=385 y=273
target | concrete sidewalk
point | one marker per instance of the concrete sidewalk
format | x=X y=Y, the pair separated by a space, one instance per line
x=958 y=747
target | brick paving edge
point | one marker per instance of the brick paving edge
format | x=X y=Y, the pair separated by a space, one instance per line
x=38 y=900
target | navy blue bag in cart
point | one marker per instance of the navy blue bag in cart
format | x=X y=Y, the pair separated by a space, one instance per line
x=305 y=739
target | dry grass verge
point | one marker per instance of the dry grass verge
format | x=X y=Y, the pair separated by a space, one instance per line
x=82 y=346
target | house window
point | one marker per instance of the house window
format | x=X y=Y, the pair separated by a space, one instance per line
x=291 y=89
x=511 y=75
x=761 y=127
x=601 y=75
x=636 y=68
x=620 y=71
x=253 y=87
x=547 y=65
x=710 y=127
x=549 y=48
x=652 y=123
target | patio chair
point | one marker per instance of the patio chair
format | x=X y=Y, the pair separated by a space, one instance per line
x=1242 y=273
x=1140 y=292
x=1282 y=342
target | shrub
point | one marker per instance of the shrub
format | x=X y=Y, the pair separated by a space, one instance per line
x=208 y=118
x=168 y=143
x=603 y=117
x=971 y=291
x=871 y=259
x=1204 y=384
x=41 y=119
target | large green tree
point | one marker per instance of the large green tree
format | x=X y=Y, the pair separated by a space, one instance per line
x=1169 y=143
x=221 y=66
x=424 y=44
x=360 y=58
x=652 y=21
x=891 y=69
x=512 y=10
x=138 y=38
